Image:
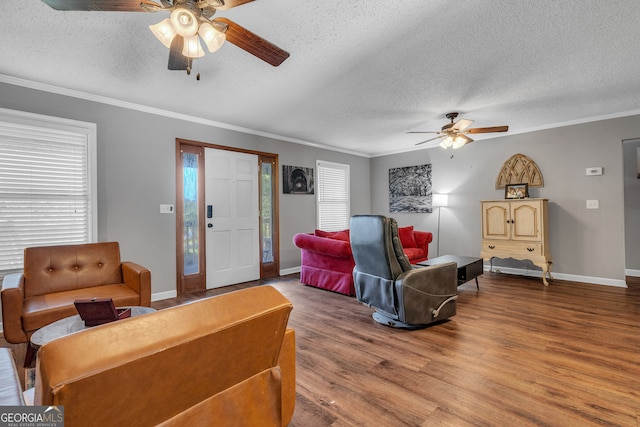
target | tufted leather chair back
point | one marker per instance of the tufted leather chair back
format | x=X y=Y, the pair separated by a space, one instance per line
x=62 y=268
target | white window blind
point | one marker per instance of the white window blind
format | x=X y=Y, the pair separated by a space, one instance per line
x=332 y=200
x=47 y=185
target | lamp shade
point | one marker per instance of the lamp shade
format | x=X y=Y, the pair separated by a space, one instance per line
x=184 y=22
x=164 y=32
x=447 y=142
x=440 y=200
x=211 y=37
x=192 y=48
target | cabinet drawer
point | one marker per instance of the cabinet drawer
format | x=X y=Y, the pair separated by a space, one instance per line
x=512 y=247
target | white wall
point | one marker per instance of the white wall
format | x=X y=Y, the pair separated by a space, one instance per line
x=585 y=244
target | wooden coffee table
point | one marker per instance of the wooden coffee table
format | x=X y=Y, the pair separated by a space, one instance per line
x=468 y=267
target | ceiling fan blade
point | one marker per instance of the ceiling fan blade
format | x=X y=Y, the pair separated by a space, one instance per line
x=253 y=43
x=421 y=131
x=228 y=4
x=177 y=61
x=489 y=129
x=462 y=124
x=102 y=5
x=432 y=139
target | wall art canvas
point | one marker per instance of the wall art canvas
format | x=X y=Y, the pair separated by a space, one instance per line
x=297 y=180
x=410 y=189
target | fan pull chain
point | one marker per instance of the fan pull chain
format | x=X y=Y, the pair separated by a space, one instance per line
x=189 y=68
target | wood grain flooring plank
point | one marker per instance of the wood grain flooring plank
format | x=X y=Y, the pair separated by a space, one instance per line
x=516 y=354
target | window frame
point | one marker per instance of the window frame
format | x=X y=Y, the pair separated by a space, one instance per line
x=23 y=120
x=320 y=194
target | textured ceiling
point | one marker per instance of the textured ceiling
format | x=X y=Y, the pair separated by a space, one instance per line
x=361 y=72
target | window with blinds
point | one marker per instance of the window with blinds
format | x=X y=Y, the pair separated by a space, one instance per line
x=332 y=200
x=47 y=184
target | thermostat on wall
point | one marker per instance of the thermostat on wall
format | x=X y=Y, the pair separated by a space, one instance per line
x=594 y=171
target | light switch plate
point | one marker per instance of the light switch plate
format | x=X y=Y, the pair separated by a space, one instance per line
x=592 y=204
x=166 y=208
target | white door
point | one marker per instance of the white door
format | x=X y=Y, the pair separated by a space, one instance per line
x=231 y=212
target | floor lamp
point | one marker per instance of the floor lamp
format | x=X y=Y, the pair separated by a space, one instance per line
x=439 y=200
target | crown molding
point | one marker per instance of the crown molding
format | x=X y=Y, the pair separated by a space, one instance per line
x=45 y=87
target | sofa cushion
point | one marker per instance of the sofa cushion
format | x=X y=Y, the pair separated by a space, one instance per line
x=406 y=237
x=337 y=235
x=39 y=311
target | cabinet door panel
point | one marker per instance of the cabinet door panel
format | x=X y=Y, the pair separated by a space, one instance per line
x=496 y=225
x=526 y=220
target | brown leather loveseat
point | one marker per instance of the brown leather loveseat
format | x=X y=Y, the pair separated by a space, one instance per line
x=228 y=360
x=55 y=276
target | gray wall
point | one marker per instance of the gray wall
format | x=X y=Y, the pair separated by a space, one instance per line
x=632 y=207
x=136 y=173
x=584 y=243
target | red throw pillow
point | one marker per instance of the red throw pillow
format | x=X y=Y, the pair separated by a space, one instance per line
x=336 y=235
x=406 y=237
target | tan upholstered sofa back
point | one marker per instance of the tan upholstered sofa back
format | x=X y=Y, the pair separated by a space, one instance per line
x=226 y=360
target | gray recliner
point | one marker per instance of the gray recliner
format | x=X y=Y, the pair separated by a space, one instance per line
x=403 y=296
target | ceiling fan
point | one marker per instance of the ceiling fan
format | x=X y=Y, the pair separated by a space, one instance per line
x=454 y=134
x=190 y=21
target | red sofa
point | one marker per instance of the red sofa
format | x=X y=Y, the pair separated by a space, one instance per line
x=327 y=262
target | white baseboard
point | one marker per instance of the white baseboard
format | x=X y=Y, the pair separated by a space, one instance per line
x=562 y=276
x=537 y=273
x=632 y=273
x=292 y=270
x=163 y=295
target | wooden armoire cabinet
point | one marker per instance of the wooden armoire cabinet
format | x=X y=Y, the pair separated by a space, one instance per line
x=517 y=229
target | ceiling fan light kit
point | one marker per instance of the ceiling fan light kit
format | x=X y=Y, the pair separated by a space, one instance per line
x=455 y=142
x=189 y=21
x=454 y=133
x=184 y=22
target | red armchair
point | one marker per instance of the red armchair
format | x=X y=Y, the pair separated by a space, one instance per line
x=327 y=261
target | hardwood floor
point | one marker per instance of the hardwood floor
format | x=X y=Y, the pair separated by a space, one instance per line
x=516 y=354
